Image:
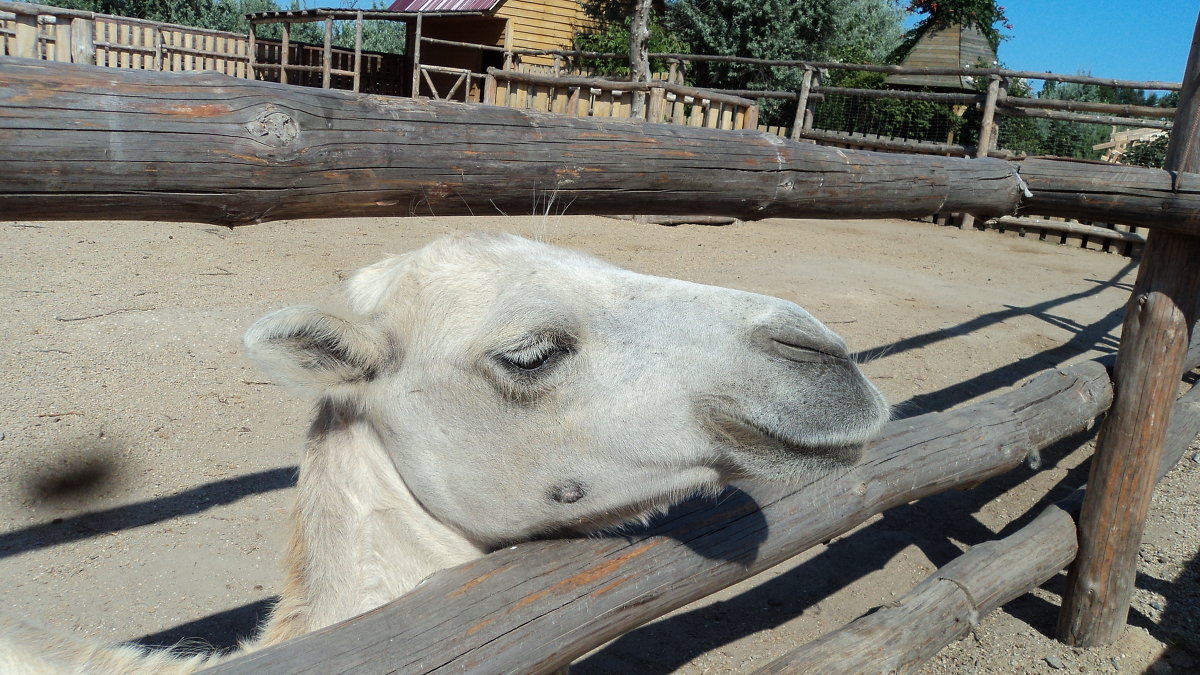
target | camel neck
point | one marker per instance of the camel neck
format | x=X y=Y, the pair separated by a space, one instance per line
x=360 y=539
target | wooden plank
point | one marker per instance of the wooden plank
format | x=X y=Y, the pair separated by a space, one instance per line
x=26 y=26
x=1008 y=222
x=285 y=47
x=1154 y=340
x=358 y=39
x=535 y=607
x=327 y=53
x=61 y=50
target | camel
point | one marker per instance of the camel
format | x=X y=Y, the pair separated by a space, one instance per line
x=488 y=389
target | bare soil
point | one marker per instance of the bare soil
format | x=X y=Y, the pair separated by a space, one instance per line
x=146 y=468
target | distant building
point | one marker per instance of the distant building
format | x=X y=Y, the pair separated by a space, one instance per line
x=951 y=47
x=529 y=24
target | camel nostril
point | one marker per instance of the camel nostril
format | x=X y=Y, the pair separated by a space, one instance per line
x=829 y=353
x=801 y=339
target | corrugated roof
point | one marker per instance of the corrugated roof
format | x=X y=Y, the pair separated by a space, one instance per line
x=443 y=5
x=952 y=47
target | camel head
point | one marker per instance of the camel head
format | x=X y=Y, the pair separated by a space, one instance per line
x=518 y=388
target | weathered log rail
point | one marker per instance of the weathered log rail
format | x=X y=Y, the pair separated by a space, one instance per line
x=206 y=148
x=949 y=603
x=535 y=607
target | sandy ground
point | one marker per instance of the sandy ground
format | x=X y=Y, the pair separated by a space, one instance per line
x=147 y=468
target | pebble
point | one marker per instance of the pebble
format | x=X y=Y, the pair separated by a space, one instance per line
x=1116 y=663
x=1055 y=662
x=1196 y=458
x=1157 y=604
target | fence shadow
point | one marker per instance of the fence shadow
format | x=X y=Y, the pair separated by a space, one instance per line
x=218 y=632
x=194 y=500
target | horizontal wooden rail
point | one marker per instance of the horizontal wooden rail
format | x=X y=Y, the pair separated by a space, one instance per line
x=537 y=606
x=1112 y=193
x=617 y=85
x=31 y=9
x=1086 y=106
x=943 y=608
x=1154 y=85
x=465 y=45
x=88 y=142
x=952 y=601
x=209 y=148
x=1091 y=231
x=1083 y=117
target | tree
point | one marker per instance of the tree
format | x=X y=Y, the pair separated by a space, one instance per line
x=612 y=36
x=866 y=31
x=765 y=29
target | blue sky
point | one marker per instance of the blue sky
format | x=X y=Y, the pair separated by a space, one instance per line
x=1126 y=39
x=1129 y=40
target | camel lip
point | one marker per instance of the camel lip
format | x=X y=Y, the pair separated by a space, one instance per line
x=740 y=431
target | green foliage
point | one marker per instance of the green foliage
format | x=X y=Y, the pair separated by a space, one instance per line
x=1151 y=152
x=765 y=29
x=867 y=31
x=982 y=14
x=613 y=37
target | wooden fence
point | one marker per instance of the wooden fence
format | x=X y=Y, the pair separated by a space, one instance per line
x=597 y=97
x=459 y=159
x=71 y=36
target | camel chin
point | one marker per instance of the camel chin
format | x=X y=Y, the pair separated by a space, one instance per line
x=486 y=389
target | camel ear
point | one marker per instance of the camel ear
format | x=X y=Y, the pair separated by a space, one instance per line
x=316 y=351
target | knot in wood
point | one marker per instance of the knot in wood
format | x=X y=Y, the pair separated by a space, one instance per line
x=274 y=128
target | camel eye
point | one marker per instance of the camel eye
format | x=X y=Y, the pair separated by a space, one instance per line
x=532 y=358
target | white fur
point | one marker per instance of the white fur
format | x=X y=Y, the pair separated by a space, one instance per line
x=432 y=444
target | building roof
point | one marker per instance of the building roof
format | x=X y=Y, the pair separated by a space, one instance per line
x=444 y=5
x=950 y=47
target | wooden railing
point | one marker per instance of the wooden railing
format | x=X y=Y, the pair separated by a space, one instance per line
x=72 y=36
x=598 y=97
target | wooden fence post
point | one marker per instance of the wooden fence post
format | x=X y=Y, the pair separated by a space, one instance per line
x=750 y=119
x=358 y=30
x=989 y=114
x=1159 y=316
x=62 y=41
x=83 y=42
x=655 y=108
x=27 y=37
x=285 y=46
x=416 y=59
x=252 y=52
x=811 y=108
x=327 y=53
x=802 y=104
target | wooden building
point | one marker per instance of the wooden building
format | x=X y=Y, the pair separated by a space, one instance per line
x=450 y=45
x=950 y=47
x=515 y=24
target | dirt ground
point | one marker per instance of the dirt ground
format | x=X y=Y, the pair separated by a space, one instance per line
x=147 y=468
